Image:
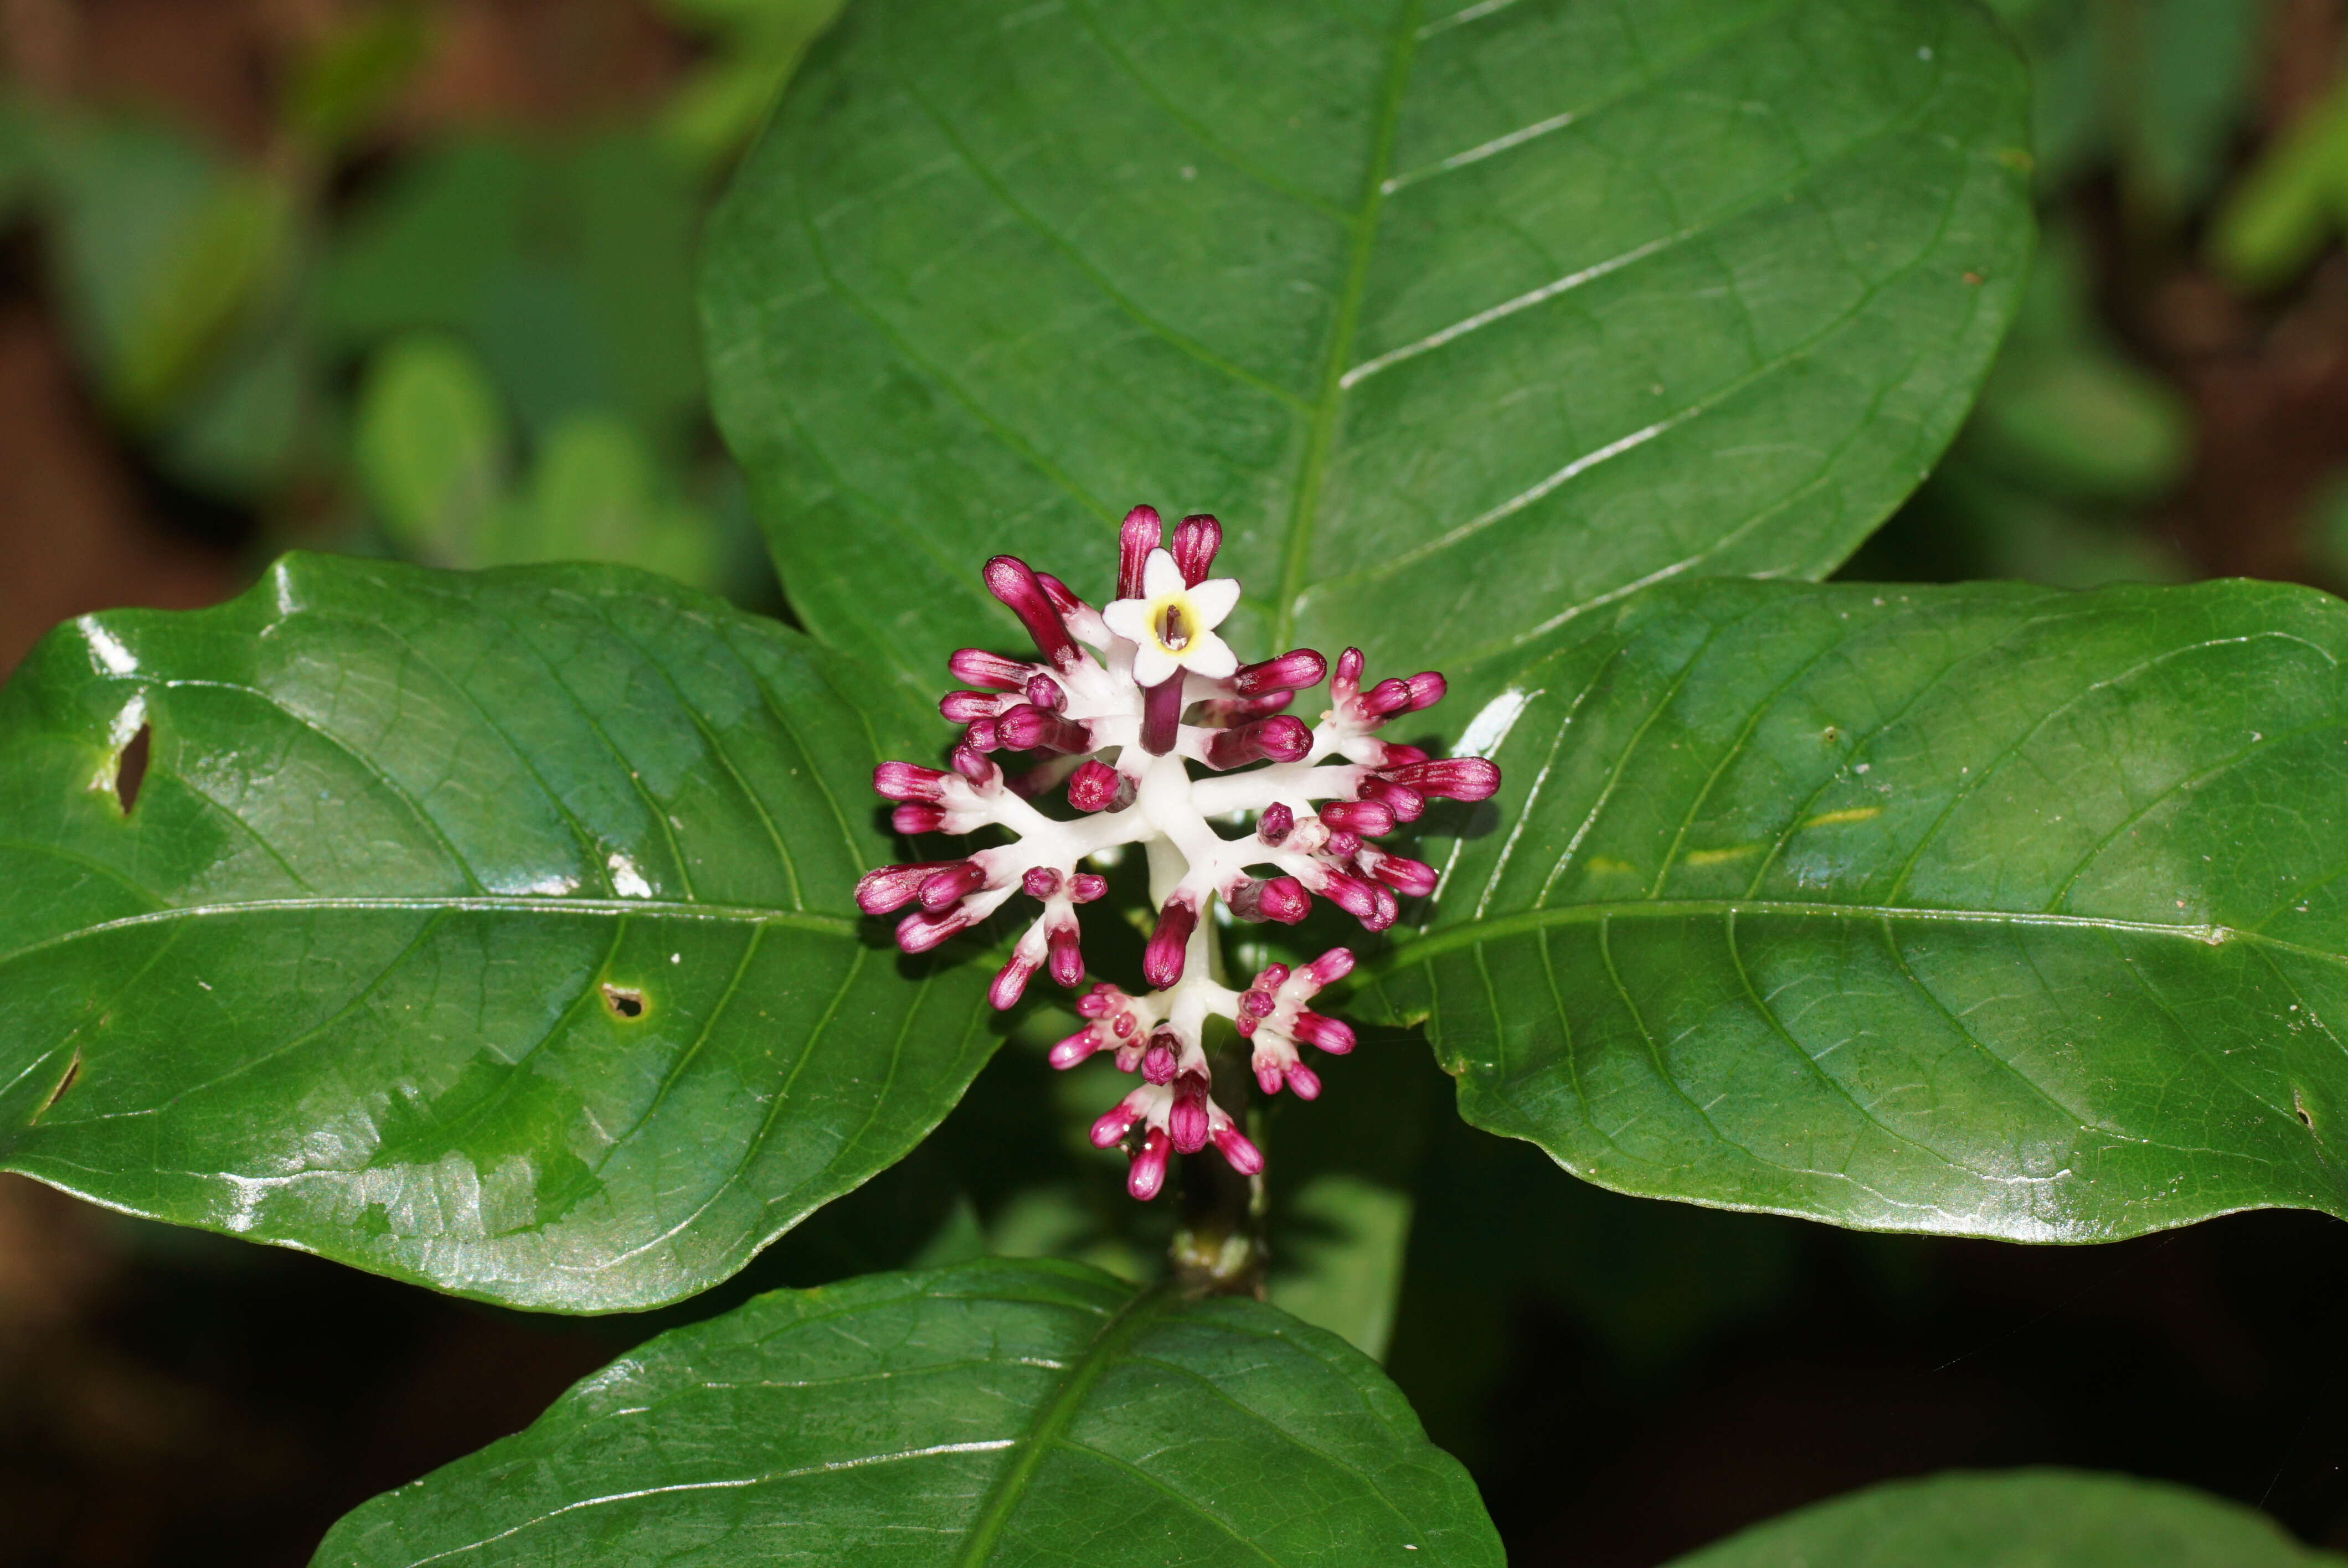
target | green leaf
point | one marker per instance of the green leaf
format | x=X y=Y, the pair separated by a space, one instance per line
x=1001 y=1413
x=490 y=932
x=596 y=494
x=1462 y=320
x=431 y=446
x=1986 y=910
x=353 y=73
x=2022 y=1518
x=2289 y=203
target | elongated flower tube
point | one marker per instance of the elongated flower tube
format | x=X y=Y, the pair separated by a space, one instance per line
x=1145 y=718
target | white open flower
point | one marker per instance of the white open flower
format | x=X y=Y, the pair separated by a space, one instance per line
x=1172 y=625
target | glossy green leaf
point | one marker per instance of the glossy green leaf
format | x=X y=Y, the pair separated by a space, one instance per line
x=491 y=932
x=1461 y=318
x=2021 y=1519
x=1989 y=910
x=1000 y=1413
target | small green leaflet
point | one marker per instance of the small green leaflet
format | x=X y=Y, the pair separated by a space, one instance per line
x=1989 y=910
x=1007 y=1414
x=490 y=931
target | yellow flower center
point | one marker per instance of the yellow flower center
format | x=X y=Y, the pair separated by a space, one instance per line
x=1173 y=626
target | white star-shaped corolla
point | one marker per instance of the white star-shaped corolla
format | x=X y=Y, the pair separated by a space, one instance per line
x=1172 y=625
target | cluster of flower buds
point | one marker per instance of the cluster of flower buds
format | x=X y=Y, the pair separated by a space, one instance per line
x=1121 y=701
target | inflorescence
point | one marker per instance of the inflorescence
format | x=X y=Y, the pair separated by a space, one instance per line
x=1122 y=702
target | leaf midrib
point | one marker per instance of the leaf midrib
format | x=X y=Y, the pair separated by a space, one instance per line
x=1435 y=944
x=515 y=904
x=1313 y=467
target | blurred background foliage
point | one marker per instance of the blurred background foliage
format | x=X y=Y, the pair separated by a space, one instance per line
x=415 y=277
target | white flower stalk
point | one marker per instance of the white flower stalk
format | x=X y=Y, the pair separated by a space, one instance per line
x=1125 y=702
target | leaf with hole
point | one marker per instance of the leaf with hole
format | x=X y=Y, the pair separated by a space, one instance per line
x=490 y=932
x=999 y=1414
x=1989 y=910
x=1460 y=319
x=2019 y=1518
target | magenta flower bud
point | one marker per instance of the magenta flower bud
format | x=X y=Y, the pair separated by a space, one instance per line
x=1140 y=534
x=1185 y=1122
x=1066 y=962
x=1258 y=1004
x=1086 y=886
x=1040 y=882
x=885 y=889
x=905 y=781
x=1161 y=716
x=1280 y=738
x=1101 y=1001
x=1093 y=787
x=1267 y=1075
x=1328 y=968
x=1045 y=692
x=1147 y=1175
x=1279 y=898
x=1229 y=710
x=1115 y=1123
x=921 y=930
x=1026 y=728
x=1452 y=778
x=1302 y=1081
x=1369 y=817
x=1399 y=756
x=1197 y=538
x=1407 y=804
x=975 y=767
x=1386 y=911
x=1162 y=1058
x=1238 y=1153
x=1331 y=1035
x=1008 y=578
x=980 y=736
x=1343 y=846
x=1162 y=959
x=950 y=885
x=1385 y=698
x=1411 y=878
x=1075 y=1049
x=1349 y=893
x=1349 y=672
x=912 y=819
x=1061 y=597
x=1273 y=826
x=977 y=667
x=1010 y=983
x=966 y=707
x=1426 y=689
x=1289 y=673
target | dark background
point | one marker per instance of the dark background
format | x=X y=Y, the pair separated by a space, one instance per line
x=1627 y=1380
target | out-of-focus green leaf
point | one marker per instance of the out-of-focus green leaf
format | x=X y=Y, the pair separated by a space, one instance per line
x=726 y=98
x=1462 y=317
x=354 y=73
x=2020 y=1519
x=595 y=494
x=1019 y=1415
x=567 y=268
x=1983 y=910
x=2192 y=61
x=432 y=447
x=2290 y=202
x=491 y=931
x=1341 y=1268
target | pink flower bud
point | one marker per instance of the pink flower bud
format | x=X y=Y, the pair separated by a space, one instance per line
x=1289 y=673
x=1161 y=1057
x=904 y=781
x=1302 y=1081
x=885 y=889
x=1093 y=787
x=1197 y=538
x=980 y=736
x=1040 y=882
x=1407 y=804
x=951 y=884
x=1452 y=778
x=1045 y=692
x=1147 y=1175
x=1281 y=739
x=921 y=930
x=1010 y=983
x=1386 y=909
x=1161 y=716
x=1075 y=1049
x=1328 y=968
x=1140 y=534
x=1237 y=1151
x=1026 y=727
x=1399 y=756
x=1086 y=886
x=1186 y=1120
x=967 y=707
x=1010 y=581
x=1116 y=1121
x=1363 y=816
x=1331 y=1035
x=1273 y=826
x=912 y=819
x=1279 y=898
x=1101 y=1001
x=975 y=768
x=991 y=671
x=1162 y=959
x=1066 y=962
x=1426 y=689
x=1061 y=599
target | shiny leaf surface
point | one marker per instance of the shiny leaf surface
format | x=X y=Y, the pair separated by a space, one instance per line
x=1460 y=318
x=492 y=932
x=1989 y=910
x=1000 y=1413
